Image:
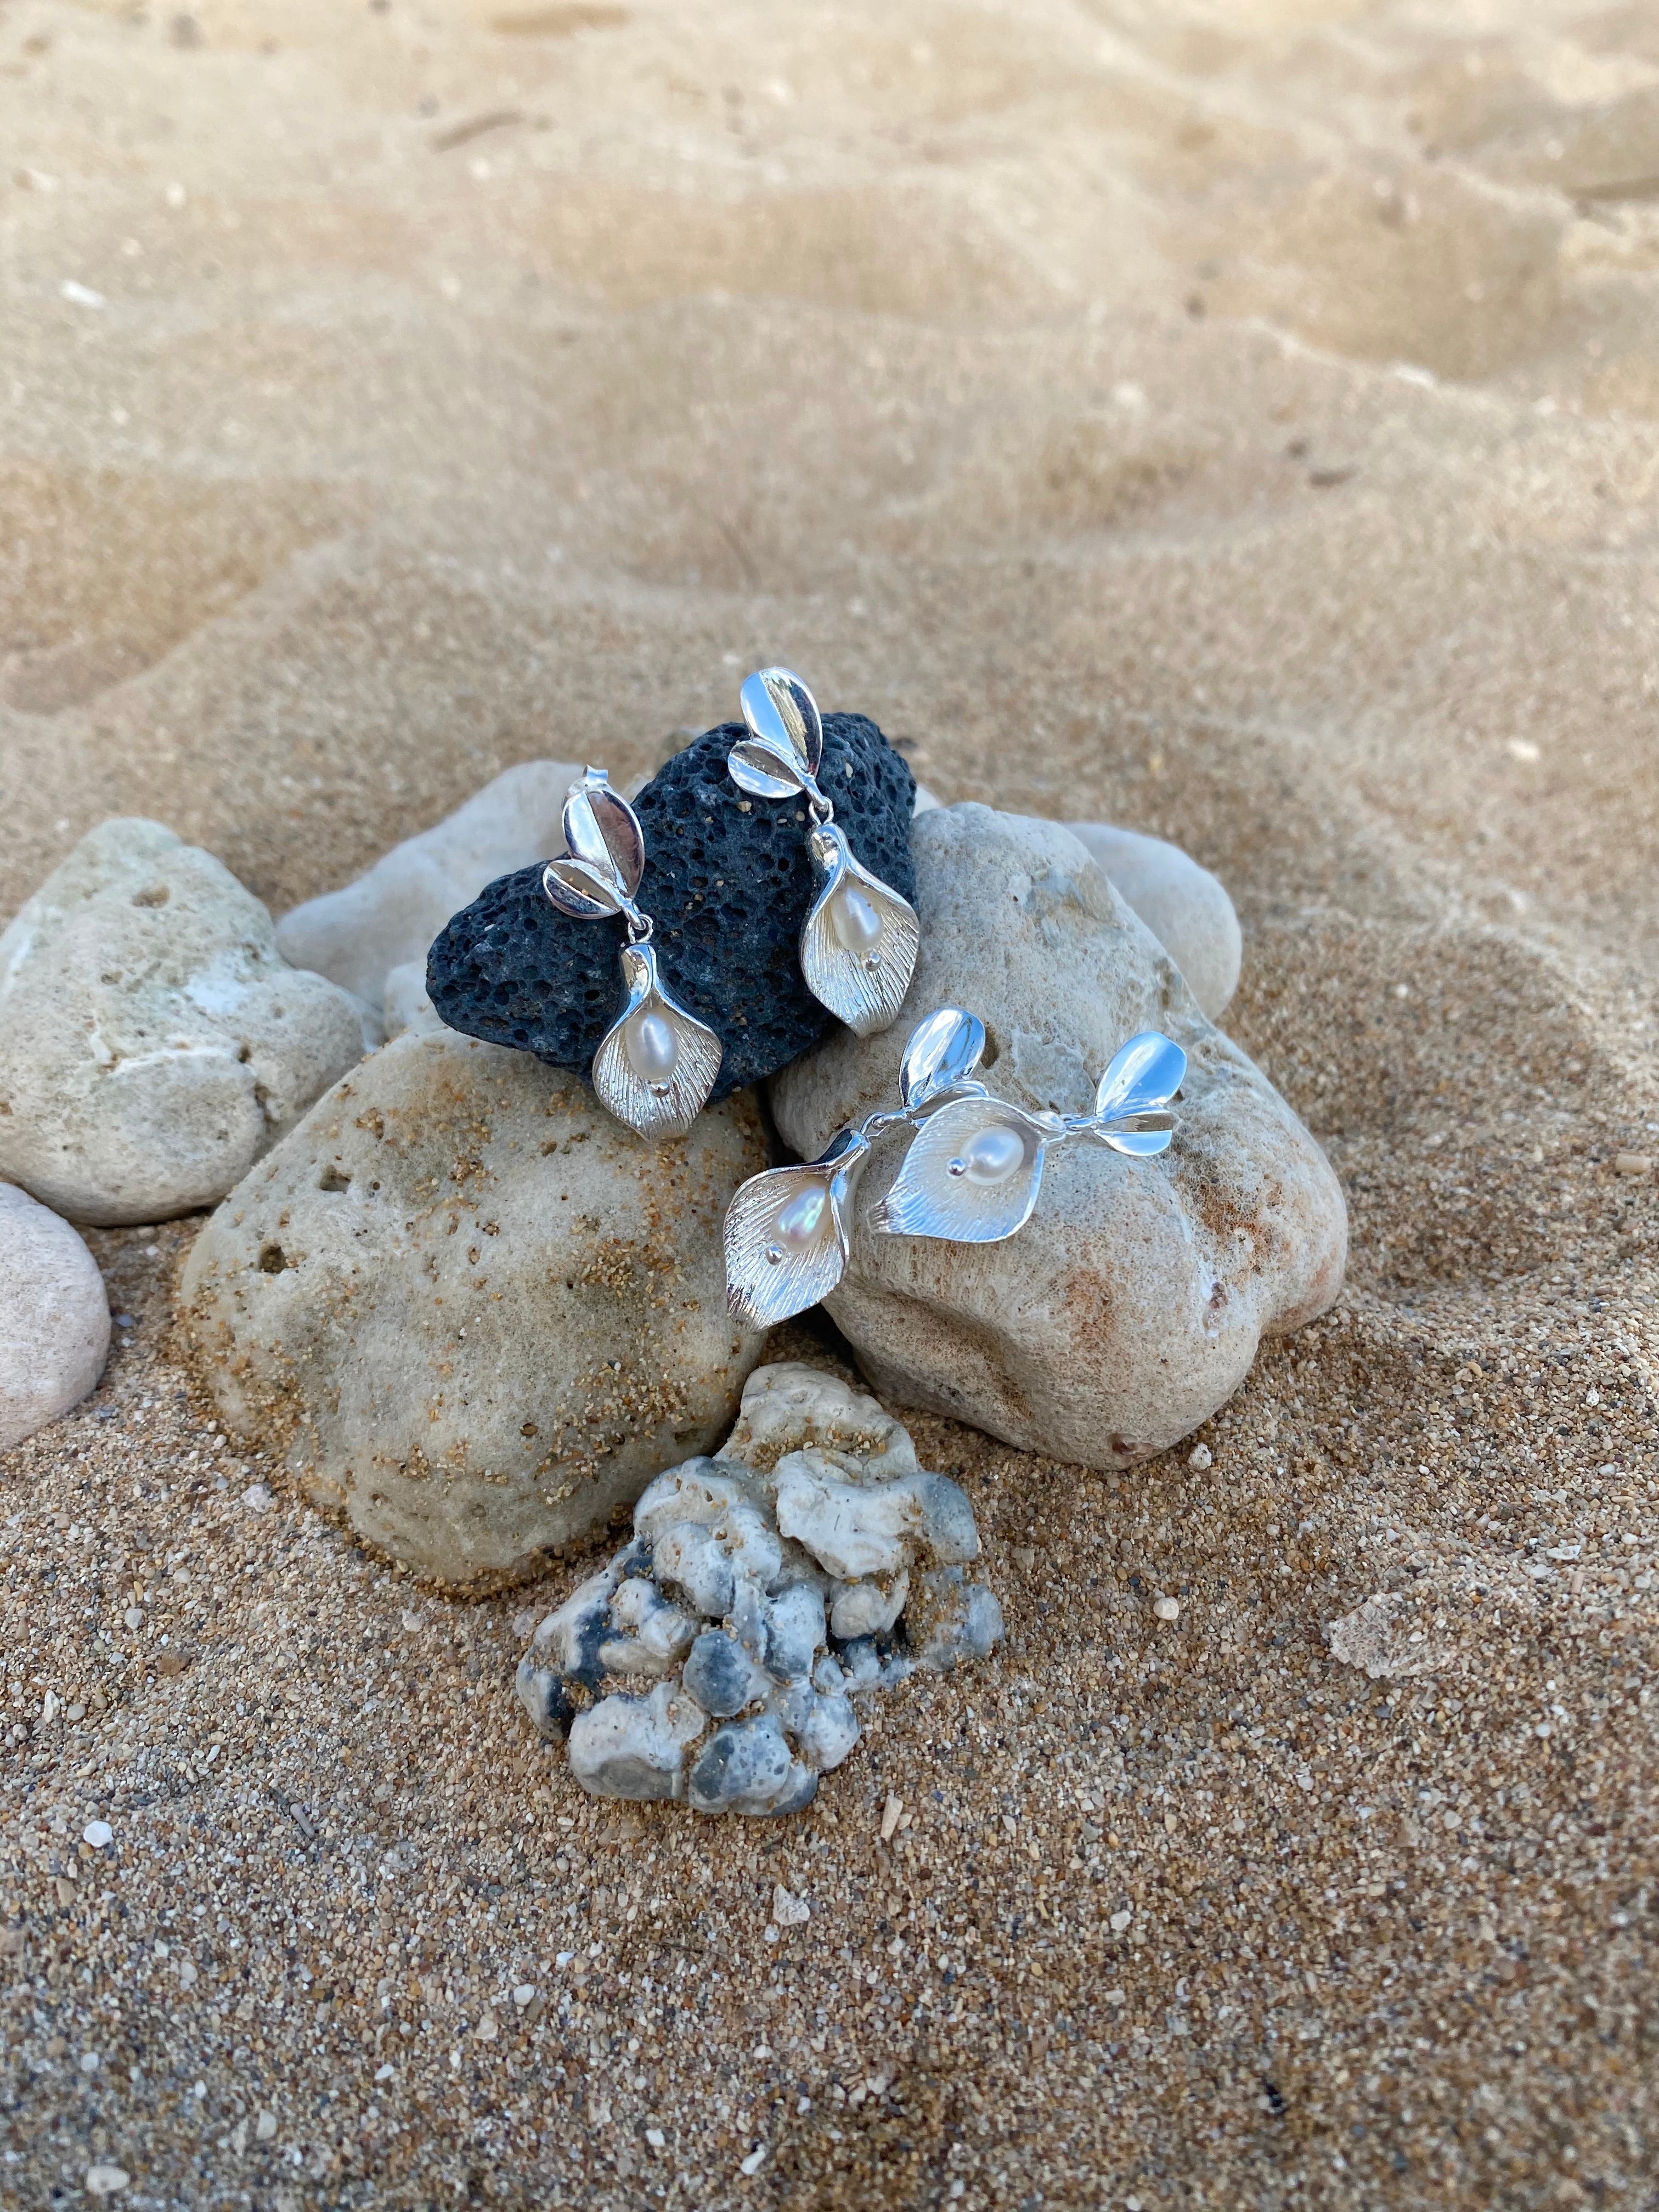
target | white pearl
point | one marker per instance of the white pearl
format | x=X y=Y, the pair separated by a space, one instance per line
x=992 y=1156
x=652 y=1049
x=858 y=925
x=799 y=1219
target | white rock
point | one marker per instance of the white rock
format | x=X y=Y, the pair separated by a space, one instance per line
x=471 y=1311
x=153 y=1042
x=1130 y=1306
x=1185 y=907
x=755 y=1630
x=386 y=917
x=54 y=1317
x=789 y=1406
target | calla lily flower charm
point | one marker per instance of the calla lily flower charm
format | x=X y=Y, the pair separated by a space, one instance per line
x=972 y=1174
x=975 y=1171
x=656 y=1065
x=859 y=940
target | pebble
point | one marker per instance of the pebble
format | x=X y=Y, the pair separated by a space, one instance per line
x=154 y=1043
x=1632 y=1163
x=704 y=1664
x=1130 y=1307
x=98 y=1833
x=258 y=1497
x=54 y=1317
x=383 y=922
x=470 y=1312
x=104 y=2180
x=728 y=882
x=1167 y=1609
x=1199 y=1458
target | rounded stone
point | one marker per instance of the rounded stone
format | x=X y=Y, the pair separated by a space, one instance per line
x=471 y=1312
x=728 y=883
x=54 y=1317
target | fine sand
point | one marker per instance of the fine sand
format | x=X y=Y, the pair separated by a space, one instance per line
x=1234 y=421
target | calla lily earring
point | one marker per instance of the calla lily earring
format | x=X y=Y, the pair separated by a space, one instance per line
x=859 y=940
x=972 y=1175
x=656 y=1065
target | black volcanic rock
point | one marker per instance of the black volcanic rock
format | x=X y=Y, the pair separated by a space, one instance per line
x=728 y=882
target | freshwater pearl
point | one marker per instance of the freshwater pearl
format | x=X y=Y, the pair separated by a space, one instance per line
x=799 y=1219
x=652 y=1049
x=858 y=925
x=992 y=1156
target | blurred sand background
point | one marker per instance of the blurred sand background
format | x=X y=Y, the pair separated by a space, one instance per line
x=1234 y=421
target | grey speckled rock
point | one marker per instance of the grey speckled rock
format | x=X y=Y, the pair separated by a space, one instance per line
x=54 y=1317
x=388 y=917
x=471 y=1312
x=153 y=1042
x=718 y=1656
x=1131 y=1305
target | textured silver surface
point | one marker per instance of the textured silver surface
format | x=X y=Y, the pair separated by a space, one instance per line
x=865 y=991
x=665 y=1109
x=761 y=1289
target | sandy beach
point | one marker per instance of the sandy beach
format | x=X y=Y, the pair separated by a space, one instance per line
x=1237 y=424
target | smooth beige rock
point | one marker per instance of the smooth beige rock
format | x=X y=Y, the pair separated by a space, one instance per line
x=1130 y=1306
x=54 y=1317
x=152 y=1041
x=388 y=917
x=471 y=1312
x=1185 y=907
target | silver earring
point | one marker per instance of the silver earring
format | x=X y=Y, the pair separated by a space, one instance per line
x=656 y=1064
x=971 y=1174
x=859 y=940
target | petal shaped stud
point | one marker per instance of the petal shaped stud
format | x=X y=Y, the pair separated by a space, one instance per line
x=859 y=940
x=656 y=1065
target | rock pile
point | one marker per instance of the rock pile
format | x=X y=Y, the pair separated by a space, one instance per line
x=718 y=1657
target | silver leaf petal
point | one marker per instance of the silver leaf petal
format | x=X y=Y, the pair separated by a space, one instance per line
x=782 y=713
x=942 y=1052
x=938 y=1191
x=655 y=1109
x=1145 y=1073
x=580 y=890
x=763 y=771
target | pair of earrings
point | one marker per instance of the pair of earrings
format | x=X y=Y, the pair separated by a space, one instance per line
x=971 y=1174
x=657 y=1063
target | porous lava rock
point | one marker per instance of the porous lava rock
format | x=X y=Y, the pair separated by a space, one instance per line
x=727 y=882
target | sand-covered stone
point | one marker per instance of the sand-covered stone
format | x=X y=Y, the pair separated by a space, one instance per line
x=154 y=1042
x=386 y=917
x=468 y=1311
x=728 y=883
x=1130 y=1306
x=54 y=1317
x=718 y=1657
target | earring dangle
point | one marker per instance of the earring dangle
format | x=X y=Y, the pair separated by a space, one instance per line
x=859 y=940
x=787 y=1232
x=656 y=1064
